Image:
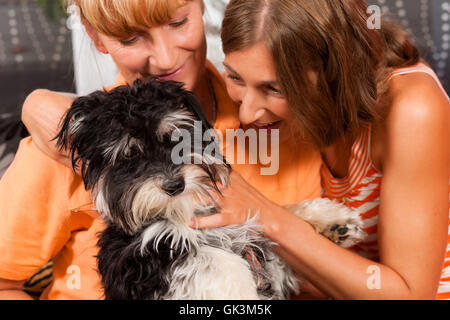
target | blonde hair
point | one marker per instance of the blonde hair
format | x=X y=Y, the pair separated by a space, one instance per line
x=121 y=18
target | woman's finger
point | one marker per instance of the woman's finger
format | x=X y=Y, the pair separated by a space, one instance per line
x=214 y=221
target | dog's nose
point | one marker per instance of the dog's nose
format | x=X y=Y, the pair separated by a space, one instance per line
x=174 y=187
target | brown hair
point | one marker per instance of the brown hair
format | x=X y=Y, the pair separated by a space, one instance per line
x=121 y=18
x=331 y=38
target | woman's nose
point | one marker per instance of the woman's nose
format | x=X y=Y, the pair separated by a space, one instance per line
x=163 y=57
x=251 y=108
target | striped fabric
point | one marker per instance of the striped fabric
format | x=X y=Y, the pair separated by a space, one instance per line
x=361 y=190
x=444 y=288
x=41 y=280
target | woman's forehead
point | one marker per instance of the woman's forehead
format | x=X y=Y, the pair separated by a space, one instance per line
x=120 y=18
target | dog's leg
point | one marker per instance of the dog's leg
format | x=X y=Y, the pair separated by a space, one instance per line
x=335 y=221
x=283 y=280
x=213 y=274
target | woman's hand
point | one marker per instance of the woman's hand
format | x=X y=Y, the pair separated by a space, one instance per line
x=240 y=203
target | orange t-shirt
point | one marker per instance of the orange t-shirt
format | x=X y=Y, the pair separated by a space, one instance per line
x=45 y=212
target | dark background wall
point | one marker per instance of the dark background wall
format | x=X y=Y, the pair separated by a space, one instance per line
x=35 y=52
x=429 y=23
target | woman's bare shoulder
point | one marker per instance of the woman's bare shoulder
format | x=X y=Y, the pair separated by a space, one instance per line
x=418 y=107
x=416 y=99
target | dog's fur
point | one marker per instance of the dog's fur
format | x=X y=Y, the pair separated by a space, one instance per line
x=122 y=142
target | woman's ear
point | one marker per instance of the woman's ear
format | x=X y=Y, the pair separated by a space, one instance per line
x=93 y=34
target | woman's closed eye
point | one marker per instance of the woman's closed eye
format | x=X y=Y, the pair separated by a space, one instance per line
x=234 y=77
x=130 y=41
x=179 y=23
x=274 y=90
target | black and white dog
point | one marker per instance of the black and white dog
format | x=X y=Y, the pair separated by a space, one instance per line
x=122 y=142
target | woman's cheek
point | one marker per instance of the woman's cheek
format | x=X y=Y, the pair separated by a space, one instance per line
x=134 y=58
x=192 y=38
x=234 y=91
x=283 y=110
x=131 y=63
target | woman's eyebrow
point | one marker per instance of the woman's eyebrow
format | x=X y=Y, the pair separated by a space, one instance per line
x=270 y=83
x=230 y=68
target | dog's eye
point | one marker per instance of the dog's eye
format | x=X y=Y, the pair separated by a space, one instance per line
x=131 y=152
x=132 y=149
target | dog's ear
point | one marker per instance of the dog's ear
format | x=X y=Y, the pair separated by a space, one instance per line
x=77 y=133
x=71 y=123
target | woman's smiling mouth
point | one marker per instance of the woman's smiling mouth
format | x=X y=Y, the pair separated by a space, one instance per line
x=268 y=126
x=172 y=75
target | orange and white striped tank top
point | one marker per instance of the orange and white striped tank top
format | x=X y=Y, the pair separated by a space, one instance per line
x=361 y=190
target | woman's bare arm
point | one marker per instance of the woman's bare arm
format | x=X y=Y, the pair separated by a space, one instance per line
x=13 y=290
x=41 y=114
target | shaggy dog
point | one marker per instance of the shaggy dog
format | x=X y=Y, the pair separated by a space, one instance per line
x=123 y=143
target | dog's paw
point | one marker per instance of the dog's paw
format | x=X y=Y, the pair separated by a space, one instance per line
x=345 y=235
x=337 y=222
